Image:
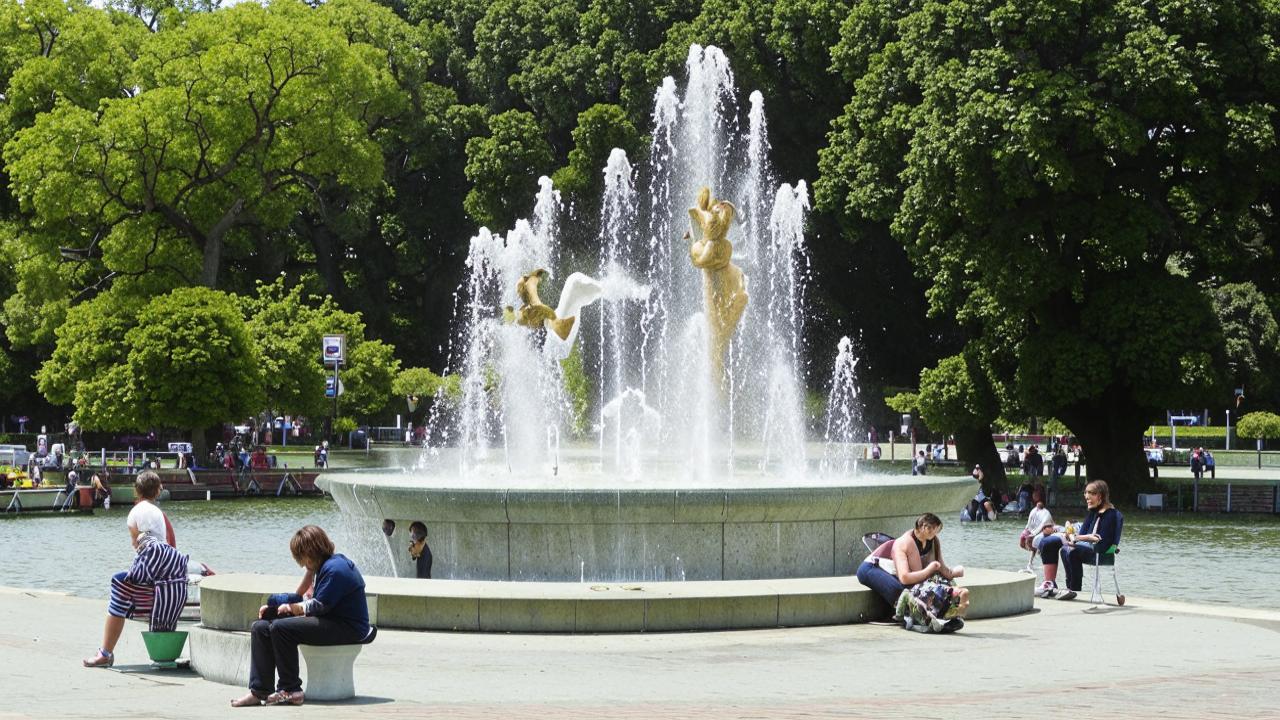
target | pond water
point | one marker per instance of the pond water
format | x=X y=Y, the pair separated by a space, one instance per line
x=1206 y=559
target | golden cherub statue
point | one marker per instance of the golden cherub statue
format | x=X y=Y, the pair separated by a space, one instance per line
x=724 y=286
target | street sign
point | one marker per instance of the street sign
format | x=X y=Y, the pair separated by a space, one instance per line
x=334 y=349
x=328 y=387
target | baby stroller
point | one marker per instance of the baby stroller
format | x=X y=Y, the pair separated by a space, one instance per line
x=873 y=540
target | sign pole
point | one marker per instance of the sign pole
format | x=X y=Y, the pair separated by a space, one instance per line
x=334 y=424
x=334 y=350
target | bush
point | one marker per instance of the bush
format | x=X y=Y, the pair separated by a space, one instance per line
x=1259 y=425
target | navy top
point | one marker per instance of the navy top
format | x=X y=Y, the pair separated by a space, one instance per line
x=424 y=563
x=1105 y=525
x=339 y=594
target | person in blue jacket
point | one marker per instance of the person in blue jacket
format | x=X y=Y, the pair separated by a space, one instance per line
x=336 y=613
x=1099 y=531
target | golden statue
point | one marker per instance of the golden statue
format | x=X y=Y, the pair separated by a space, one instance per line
x=724 y=286
x=579 y=291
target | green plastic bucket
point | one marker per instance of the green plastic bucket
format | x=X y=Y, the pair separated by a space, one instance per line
x=164 y=646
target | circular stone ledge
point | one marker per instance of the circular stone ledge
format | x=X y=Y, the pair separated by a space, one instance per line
x=231 y=602
x=637 y=533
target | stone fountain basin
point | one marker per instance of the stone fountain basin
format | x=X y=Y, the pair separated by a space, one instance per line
x=231 y=602
x=575 y=530
x=220 y=645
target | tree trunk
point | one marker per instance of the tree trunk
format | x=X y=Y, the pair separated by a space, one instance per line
x=974 y=446
x=326 y=248
x=200 y=446
x=1112 y=442
x=212 y=260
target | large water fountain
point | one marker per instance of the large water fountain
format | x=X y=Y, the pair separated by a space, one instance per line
x=648 y=424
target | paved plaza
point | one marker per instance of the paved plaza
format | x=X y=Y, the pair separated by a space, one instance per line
x=1065 y=659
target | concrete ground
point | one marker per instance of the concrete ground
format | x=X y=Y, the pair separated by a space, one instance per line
x=1066 y=659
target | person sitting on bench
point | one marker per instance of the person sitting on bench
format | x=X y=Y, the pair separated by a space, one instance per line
x=336 y=614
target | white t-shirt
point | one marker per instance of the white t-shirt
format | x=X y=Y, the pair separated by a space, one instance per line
x=1037 y=519
x=146 y=518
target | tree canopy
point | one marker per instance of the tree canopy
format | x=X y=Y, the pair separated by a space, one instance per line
x=1068 y=178
x=1081 y=196
x=288 y=329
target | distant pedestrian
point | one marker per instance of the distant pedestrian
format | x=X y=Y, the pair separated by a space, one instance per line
x=1197 y=463
x=920 y=464
x=1033 y=463
x=1058 y=469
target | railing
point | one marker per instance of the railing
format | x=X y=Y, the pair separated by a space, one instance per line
x=387 y=434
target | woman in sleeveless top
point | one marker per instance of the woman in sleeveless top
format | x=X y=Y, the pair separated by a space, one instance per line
x=908 y=560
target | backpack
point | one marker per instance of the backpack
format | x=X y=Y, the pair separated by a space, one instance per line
x=931 y=606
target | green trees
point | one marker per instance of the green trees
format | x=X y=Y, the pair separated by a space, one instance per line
x=1066 y=177
x=504 y=167
x=956 y=398
x=1259 y=425
x=236 y=117
x=191 y=362
x=1085 y=193
x=600 y=129
x=288 y=327
x=148 y=159
x=1252 y=341
x=181 y=360
x=421 y=387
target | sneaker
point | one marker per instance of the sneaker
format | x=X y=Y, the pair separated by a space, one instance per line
x=1068 y=595
x=1047 y=589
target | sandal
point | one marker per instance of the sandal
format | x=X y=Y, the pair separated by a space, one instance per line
x=249 y=700
x=103 y=659
x=284 y=697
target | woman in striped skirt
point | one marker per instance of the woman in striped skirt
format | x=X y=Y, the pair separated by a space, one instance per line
x=155 y=584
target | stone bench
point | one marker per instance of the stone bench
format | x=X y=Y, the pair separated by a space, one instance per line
x=328 y=671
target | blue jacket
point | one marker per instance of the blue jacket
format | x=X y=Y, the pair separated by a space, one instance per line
x=339 y=594
x=1106 y=525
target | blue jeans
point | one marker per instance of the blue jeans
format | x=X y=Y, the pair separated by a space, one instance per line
x=1074 y=558
x=884 y=584
x=1050 y=548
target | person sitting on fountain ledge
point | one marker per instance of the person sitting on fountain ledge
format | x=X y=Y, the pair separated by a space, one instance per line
x=337 y=614
x=914 y=563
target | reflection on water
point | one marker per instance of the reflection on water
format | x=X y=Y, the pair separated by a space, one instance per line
x=1205 y=560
